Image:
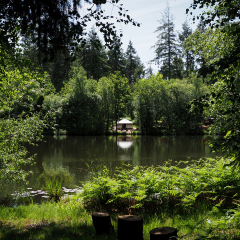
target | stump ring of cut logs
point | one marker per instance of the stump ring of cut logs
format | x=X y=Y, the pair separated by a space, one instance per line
x=101 y=222
x=130 y=227
x=163 y=233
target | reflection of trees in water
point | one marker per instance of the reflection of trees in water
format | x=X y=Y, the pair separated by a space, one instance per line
x=156 y=150
x=75 y=152
x=57 y=172
x=72 y=154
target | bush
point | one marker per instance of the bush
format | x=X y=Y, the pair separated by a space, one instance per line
x=163 y=188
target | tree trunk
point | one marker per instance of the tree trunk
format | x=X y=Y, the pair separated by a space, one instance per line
x=130 y=227
x=101 y=222
x=163 y=233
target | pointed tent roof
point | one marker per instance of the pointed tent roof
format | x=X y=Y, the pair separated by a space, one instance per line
x=124 y=121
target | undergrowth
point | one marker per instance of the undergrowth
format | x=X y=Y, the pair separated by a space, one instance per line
x=205 y=192
x=164 y=188
x=200 y=199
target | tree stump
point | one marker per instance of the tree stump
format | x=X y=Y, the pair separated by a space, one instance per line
x=101 y=222
x=163 y=233
x=130 y=227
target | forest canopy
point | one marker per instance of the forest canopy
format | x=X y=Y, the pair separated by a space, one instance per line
x=56 y=25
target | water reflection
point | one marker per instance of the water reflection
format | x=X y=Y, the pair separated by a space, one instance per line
x=71 y=156
x=125 y=142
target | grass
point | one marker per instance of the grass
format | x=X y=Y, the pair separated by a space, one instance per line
x=54 y=189
x=200 y=200
x=69 y=220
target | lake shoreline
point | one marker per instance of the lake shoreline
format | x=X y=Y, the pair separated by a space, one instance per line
x=205 y=217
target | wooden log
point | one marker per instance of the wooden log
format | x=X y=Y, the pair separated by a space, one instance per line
x=163 y=233
x=130 y=227
x=101 y=222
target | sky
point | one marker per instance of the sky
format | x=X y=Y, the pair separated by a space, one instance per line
x=147 y=13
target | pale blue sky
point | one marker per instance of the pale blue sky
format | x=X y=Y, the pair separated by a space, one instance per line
x=148 y=12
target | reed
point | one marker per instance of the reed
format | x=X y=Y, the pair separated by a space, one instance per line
x=54 y=190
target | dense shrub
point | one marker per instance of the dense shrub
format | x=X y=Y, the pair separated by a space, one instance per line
x=163 y=187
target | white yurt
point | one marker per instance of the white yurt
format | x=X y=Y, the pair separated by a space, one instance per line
x=124 y=124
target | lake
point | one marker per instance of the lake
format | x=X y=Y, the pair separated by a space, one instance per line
x=70 y=156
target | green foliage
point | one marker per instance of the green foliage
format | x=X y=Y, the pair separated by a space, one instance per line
x=93 y=57
x=224 y=110
x=57 y=68
x=157 y=99
x=22 y=92
x=220 y=47
x=166 y=48
x=54 y=189
x=121 y=91
x=211 y=45
x=56 y=173
x=163 y=188
x=105 y=90
x=77 y=109
x=13 y=156
x=134 y=69
x=189 y=57
x=222 y=12
x=149 y=97
x=116 y=59
x=50 y=24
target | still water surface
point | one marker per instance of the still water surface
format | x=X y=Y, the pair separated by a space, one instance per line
x=70 y=155
x=73 y=153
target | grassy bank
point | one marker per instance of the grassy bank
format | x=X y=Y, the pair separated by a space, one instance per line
x=71 y=221
x=200 y=200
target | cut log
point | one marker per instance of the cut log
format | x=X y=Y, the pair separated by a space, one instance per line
x=130 y=227
x=163 y=233
x=101 y=222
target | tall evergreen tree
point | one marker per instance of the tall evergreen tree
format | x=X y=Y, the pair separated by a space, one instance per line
x=94 y=57
x=148 y=72
x=57 y=68
x=189 y=57
x=134 y=67
x=139 y=70
x=177 y=68
x=116 y=59
x=130 y=55
x=166 y=48
x=203 y=68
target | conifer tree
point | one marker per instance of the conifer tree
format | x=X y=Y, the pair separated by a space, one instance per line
x=134 y=67
x=177 y=68
x=139 y=70
x=166 y=48
x=94 y=57
x=189 y=57
x=148 y=72
x=116 y=59
x=130 y=55
x=203 y=68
